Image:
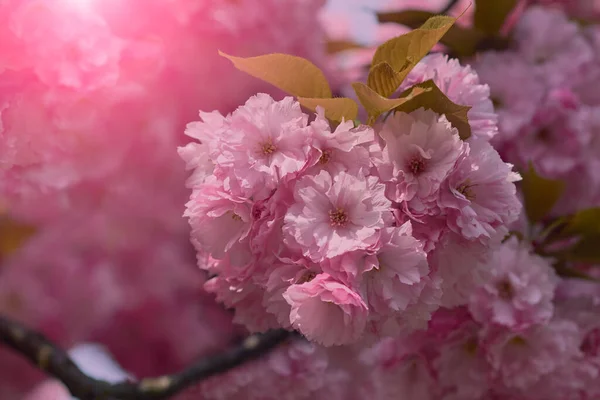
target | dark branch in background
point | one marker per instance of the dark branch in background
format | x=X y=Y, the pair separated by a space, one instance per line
x=54 y=361
x=448 y=7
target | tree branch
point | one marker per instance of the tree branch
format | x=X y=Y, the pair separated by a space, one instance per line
x=51 y=359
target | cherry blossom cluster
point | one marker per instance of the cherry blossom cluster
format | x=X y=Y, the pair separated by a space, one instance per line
x=352 y=232
x=544 y=89
x=83 y=86
x=93 y=103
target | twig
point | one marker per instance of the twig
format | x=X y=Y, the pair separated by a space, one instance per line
x=51 y=359
x=448 y=7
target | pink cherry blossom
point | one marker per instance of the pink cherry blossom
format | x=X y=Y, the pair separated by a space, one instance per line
x=548 y=40
x=220 y=221
x=397 y=370
x=327 y=311
x=286 y=273
x=396 y=279
x=520 y=291
x=461 y=85
x=246 y=298
x=263 y=141
x=462 y=369
x=462 y=267
x=479 y=195
x=515 y=90
x=420 y=150
x=345 y=149
x=416 y=316
x=294 y=370
x=521 y=359
x=334 y=216
x=554 y=141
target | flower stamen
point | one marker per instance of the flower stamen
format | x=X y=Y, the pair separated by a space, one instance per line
x=416 y=165
x=505 y=290
x=306 y=277
x=235 y=217
x=325 y=157
x=466 y=190
x=338 y=217
x=268 y=148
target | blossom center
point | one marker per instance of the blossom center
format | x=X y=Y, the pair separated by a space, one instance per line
x=306 y=277
x=505 y=290
x=268 y=148
x=235 y=217
x=325 y=157
x=466 y=190
x=518 y=341
x=338 y=217
x=470 y=346
x=496 y=102
x=544 y=135
x=416 y=165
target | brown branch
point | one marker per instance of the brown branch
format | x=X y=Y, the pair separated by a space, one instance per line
x=54 y=361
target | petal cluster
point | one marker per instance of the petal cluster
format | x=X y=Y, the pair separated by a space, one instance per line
x=336 y=232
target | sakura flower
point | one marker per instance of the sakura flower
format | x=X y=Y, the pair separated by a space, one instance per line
x=521 y=359
x=265 y=140
x=396 y=279
x=573 y=380
x=462 y=369
x=520 y=291
x=479 y=195
x=345 y=149
x=285 y=273
x=219 y=221
x=197 y=159
x=515 y=89
x=462 y=267
x=44 y=31
x=556 y=139
x=461 y=84
x=327 y=311
x=334 y=215
x=420 y=149
x=397 y=370
x=294 y=370
x=547 y=39
x=246 y=298
x=425 y=300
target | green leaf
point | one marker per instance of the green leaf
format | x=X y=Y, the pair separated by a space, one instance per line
x=411 y=18
x=336 y=108
x=585 y=222
x=294 y=75
x=338 y=46
x=383 y=79
x=566 y=272
x=375 y=104
x=12 y=235
x=491 y=14
x=586 y=250
x=461 y=40
x=541 y=194
x=404 y=52
x=434 y=99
